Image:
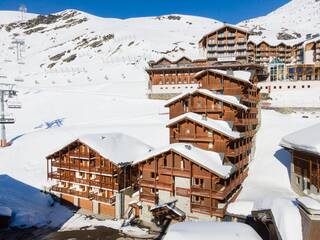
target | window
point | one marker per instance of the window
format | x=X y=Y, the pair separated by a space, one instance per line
x=152 y=175
x=153 y=190
x=165 y=162
x=182 y=164
x=298 y=180
x=187 y=131
x=210 y=145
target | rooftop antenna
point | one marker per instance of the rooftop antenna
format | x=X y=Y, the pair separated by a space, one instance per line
x=23 y=10
x=6 y=91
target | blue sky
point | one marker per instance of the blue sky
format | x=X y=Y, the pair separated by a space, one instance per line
x=231 y=11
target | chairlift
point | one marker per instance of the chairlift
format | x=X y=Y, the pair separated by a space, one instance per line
x=14 y=104
x=7 y=119
x=18 y=79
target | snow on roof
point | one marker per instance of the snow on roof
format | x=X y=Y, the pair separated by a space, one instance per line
x=223 y=26
x=224 y=98
x=209 y=160
x=240 y=208
x=306 y=139
x=218 y=125
x=243 y=76
x=211 y=230
x=117 y=147
x=5 y=211
x=309 y=203
x=272 y=41
x=316 y=39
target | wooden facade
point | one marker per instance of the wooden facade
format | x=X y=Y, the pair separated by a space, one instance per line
x=177 y=174
x=84 y=176
x=228 y=43
x=207 y=192
x=306 y=171
x=263 y=52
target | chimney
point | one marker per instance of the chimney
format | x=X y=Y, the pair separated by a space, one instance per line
x=230 y=72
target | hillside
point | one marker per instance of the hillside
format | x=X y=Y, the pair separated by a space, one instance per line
x=75 y=48
x=289 y=22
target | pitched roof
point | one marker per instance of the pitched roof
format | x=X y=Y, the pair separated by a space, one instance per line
x=223 y=26
x=224 y=98
x=209 y=160
x=218 y=125
x=243 y=76
x=117 y=147
x=306 y=140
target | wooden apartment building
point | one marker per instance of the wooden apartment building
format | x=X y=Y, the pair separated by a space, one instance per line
x=92 y=171
x=227 y=43
x=211 y=134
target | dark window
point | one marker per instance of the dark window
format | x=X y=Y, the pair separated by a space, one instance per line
x=152 y=174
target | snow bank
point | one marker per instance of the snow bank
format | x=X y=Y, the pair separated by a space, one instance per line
x=309 y=203
x=30 y=207
x=211 y=230
x=306 y=139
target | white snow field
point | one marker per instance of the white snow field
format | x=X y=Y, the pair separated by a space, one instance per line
x=296 y=18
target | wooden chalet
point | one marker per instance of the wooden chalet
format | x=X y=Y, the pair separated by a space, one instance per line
x=226 y=44
x=263 y=52
x=91 y=171
x=304 y=148
x=197 y=179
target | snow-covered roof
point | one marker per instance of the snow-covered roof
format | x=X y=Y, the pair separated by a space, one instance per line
x=306 y=140
x=310 y=204
x=117 y=147
x=224 y=26
x=5 y=211
x=243 y=76
x=312 y=40
x=273 y=41
x=209 y=160
x=220 y=126
x=224 y=98
x=211 y=230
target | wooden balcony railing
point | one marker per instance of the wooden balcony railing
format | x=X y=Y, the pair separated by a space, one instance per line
x=233 y=152
x=82 y=167
x=89 y=195
x=175 y=171
x=223 y=192
x=192 y=138
x=197 y=207
x=81 y=155
x=89 y=182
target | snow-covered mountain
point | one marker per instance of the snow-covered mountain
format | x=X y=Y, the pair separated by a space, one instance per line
x=292 y=21
x=75 y=48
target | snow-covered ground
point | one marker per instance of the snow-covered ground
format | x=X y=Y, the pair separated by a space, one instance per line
x=268 y=183
x=296 y=98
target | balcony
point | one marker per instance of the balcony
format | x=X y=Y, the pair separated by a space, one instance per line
x=245 y=122
x=197 y=207
x=233 y=152
x=83 y=181
x=82 y=167
x=89 y=195
x=191 y=138
x=223 y=192
x=181 y=172
x=81 y=155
